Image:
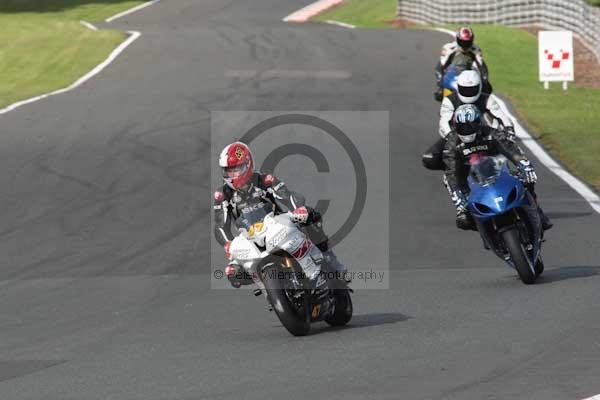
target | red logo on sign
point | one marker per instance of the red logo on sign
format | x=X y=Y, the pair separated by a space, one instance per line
x=563 y=56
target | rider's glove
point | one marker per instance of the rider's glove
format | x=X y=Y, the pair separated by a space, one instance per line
x=226 y=247
x=527 y=172
x=460 y=201
x=510 y=133
x=299 y=215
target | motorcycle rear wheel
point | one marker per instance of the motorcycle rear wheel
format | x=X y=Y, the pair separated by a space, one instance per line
x=518 y=254
x=296 y=319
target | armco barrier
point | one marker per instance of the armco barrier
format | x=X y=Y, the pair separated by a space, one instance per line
x=573 y=15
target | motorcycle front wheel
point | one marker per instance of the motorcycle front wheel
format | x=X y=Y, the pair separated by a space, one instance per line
x=342 y=313
x=518 y=255
x=294 y=313
x=539 y=266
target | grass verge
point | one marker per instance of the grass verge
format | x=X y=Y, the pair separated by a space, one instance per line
x=566 y=123
x=362 y=13
x=43 y=47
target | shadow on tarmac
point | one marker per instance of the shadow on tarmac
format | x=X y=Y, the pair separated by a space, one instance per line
x=567 y=215
x=566 y=273
x=363 y=321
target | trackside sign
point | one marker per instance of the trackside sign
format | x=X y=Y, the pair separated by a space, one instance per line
x=556 y=56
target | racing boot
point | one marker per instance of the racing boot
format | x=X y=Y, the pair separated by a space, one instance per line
x=465 y=221
x=546 y=222
x=433 y=158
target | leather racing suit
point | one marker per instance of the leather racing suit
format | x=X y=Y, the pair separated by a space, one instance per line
x=453 y=54
x=266 y=188
x=489 y=107
x=489 y=142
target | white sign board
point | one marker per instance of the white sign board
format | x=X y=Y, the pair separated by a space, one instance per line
x=556 y=56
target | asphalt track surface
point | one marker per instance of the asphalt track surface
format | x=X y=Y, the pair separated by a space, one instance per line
x=106 y=251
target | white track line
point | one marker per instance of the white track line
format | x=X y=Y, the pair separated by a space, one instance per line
x=88 y=25
x=597 y=397
x=342 y=24
x=447 y=31
x=131 y=10
x=311 y=10
x=575 y=183
x=541 y=154
x=133 y=35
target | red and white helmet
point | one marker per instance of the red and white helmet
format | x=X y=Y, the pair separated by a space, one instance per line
x=465 y=37
x=237 y=164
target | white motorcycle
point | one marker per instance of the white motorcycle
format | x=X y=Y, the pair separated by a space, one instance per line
x=285 y=264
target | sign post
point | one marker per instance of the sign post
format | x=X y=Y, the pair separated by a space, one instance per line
x=556 y=57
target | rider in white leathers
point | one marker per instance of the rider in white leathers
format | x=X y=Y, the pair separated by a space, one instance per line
x=469 y=91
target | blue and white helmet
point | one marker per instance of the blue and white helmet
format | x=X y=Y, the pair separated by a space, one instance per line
x=467 y=122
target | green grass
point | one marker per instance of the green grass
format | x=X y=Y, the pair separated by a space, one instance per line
x=363 y=13
x=566 y=123
x=43 y=47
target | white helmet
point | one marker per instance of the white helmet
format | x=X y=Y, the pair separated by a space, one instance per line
x=469 y=86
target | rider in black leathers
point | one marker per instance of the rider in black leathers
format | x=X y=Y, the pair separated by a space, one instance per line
x=469 y=138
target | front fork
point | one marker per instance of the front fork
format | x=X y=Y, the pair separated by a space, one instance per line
x=492 y=228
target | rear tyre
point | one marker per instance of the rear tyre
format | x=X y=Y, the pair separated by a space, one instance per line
x=343 y=308
x=294 y=317
x=518 y=254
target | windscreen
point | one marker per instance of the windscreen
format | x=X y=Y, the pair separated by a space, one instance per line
x=253 y=214
x=463 y=61
x=486 y=170
x=451 y=75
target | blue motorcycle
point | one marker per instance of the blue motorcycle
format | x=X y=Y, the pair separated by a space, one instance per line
x=449 y=84
x=506 y=216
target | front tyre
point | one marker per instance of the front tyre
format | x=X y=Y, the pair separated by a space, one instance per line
x=519 y=257
x=539 y=266
x=342 y=313
x=294 y=314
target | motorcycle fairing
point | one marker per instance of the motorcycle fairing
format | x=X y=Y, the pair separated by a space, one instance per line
x=500 y=202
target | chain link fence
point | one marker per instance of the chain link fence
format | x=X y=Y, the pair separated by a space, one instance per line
x=573 y=15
